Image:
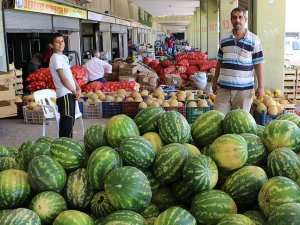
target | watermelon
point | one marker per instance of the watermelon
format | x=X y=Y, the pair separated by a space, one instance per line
x=124 y=217
x=164 y=198
x=175 y=216
x=7 y=163
x=120 y=127
x=147 y=119
x=288 y=213
x=150 y=221
x=292 y=117
x=174 y=128
x=25 y=144
x=244 y=184
x=3 y=151
x=48 y=205
x=257 y=217
x=79 y=192
x=95 y=137
x=14 y=188
x=239 y=121
x=20 y=161
x=20 y=216
x=45 y=139
x=101 y=162
x=277 y=191
x=193 y=150
x=100 y=205
x=137 y=152
x=154 y=183
x=200 y=173
x=46 y=174
x=260 y=130
x=128 y=188
x=150 y=211
x=169 y=162
x=12 y=152
x=182 y=191
x=207 y=127
x=73 y=217
x=34 y=150
x=284 y=162
x=256 y=149
x=210 y=206
x=236 y=219
x=229 y=151
x=281 y=133
x=155 y=140
x=68 y=152
x=3 y=212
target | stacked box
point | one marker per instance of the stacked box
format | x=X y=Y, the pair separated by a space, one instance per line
x=130 y=108
x=263 y=118
x=32 y=116
x=92 y=110
x=180 y=109
x=192 y=113
x=111 y=109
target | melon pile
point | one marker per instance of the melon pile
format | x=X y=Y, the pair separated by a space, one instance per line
x=157 y=169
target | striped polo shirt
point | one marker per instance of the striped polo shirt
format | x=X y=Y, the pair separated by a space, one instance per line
x=238 y=59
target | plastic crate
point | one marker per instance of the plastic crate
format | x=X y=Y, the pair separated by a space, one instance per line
x=92 y=110
x=111 y=109
x=130 y=108
x=263 y=118
x=181 y=109
x=167 y=88
x=80 y=105
x=192 y=113
x=32 y=116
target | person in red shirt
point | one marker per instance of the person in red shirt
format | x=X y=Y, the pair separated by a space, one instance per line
x=47 y=55
x=170 y=45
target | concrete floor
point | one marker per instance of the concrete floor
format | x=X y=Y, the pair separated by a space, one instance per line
x=13 y=132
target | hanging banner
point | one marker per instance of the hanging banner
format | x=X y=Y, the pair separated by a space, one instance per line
x=101 y=18
x=123 y=22
x=50 y=8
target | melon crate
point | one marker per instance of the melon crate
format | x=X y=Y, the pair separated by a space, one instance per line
x=92 y=110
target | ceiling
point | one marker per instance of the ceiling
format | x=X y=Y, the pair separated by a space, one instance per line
x=169 y=9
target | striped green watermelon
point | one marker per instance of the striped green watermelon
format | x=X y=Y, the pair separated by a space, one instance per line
x=175 y=216
x=120 y=127
x=101 y=162
x=244 y=184
x=155 y=140
x=26 y=144
x=45 y=139
x=46 y=174
x=7 y=163
x=48 y=205
x=20 y=216
x=100 y=221
x=174 y=128
x=208 y=207
x=128 y=188
x=229 y=151
x=150 y=211
x=286 y=214
x=100 y=205
x=200 y=173
x=78 y=191
x=154 y=183
x=4 y=211
x=284 y=162
x=3 y=151
x=281 y=133
x=14 y=188
x=290 y=117
x=182 y=191
x=124 y=217
x=34 y=150
x=95 y=137
x=256 y=149
x=150 y=221
x=73 y=217
x=277 y=191
x=257 y=217
x=147 y=119
x=169 y=162
x=236 y=219
x=239 y=121
x=164 y=198
x=193 y=150
x=68 y=152
x=20 y=161
x=260 y=130
x=207 y=127
x=12 y=152
x=137 y=152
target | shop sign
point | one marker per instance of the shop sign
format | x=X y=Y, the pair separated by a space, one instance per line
x=101 y=18
x=50 y=8
x=135 y=24
x=123 y=22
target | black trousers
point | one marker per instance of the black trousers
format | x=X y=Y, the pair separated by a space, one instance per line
x=66 y=108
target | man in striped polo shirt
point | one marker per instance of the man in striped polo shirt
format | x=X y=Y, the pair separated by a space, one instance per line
x=240 y=53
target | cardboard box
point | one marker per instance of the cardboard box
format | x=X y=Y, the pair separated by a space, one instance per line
x=127 y=70
x=173 y=80
x=126 y=78
x=145 y=79
x=116 y=66
x=114 y=76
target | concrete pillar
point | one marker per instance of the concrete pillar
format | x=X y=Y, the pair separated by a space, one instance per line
x=203 y=9
x=269 y=25
x=226 y=6
x=107 y=43
x=74 y=45
x=3 y=61
x=197 y=30
x=212 y=28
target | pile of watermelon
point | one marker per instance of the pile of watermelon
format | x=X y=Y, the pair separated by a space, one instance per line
x=185 y=65
x=157 y=169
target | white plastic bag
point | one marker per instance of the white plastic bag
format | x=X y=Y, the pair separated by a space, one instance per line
x=200 y=80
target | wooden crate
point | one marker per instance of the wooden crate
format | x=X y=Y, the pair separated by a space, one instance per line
x=7 y=95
